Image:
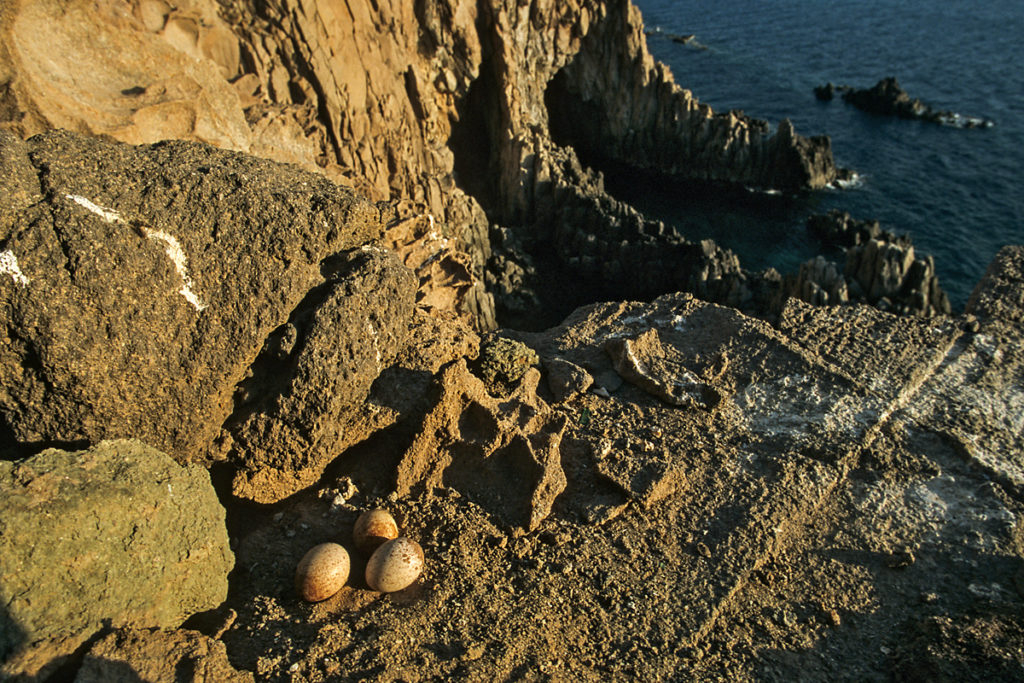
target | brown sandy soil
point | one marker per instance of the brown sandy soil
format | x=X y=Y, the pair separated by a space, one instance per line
x=819 y=530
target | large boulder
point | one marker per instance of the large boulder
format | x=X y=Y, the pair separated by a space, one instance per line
x=303 y=404
x=118 y=535
x=140 y=283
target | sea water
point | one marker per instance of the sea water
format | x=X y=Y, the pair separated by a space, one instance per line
x=959 y=193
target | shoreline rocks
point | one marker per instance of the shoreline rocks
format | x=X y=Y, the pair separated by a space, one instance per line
x=880 y=269
x=887 y=98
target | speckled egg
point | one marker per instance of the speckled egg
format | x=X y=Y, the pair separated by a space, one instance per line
x=373 y=528
x=394 y=565
x=322 y=572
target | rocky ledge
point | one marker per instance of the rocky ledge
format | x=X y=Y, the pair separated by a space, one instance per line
x=642 y=490
x=887 y=98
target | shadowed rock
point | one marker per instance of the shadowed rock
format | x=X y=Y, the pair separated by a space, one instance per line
x=133 y=655
x=501 y=452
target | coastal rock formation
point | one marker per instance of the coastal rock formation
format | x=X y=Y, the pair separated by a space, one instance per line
x=891 y=277
x=887 y=98
x=839 y=229
x=597 y=247
x=646 y=490
x=448 y=106
x=881 y=269
x=856 y=487
x=118 y=535
x=619 y=104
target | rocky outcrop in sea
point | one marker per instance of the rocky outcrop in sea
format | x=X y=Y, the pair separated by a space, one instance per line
x=880 y=269
x=887 y=98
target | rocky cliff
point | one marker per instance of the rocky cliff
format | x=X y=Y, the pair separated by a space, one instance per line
x=467 y=113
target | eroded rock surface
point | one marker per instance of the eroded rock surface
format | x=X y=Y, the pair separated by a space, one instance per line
x=857 y=473
x=118 y=535
x=503 y=453
x=303 y=404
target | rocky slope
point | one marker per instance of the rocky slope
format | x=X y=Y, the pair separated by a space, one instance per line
x=643 y=490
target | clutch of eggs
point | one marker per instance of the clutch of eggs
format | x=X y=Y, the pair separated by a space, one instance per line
x=395 y=562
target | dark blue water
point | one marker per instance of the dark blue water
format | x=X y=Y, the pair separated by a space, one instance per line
x=959 y=193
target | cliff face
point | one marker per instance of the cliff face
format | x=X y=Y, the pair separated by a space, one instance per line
x=445 y=106
x=613 y=100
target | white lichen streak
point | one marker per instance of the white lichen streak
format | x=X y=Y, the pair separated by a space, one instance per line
x=376 y=347
x=9 y=266
x=109 y=215
x=171 y=246
x=177 y=255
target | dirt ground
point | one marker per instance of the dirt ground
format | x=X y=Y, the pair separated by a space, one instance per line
x=838 y=539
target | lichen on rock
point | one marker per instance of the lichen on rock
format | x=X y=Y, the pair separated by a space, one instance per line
x=503 y=362
x=116 y=535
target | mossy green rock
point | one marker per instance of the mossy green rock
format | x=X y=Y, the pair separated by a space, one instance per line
x=505 y=361
x=119 y=534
